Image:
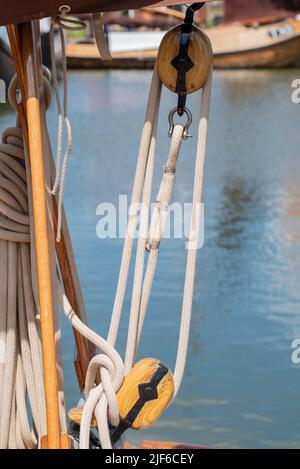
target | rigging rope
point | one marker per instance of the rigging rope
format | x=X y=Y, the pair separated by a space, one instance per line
x=65 y=23
x=68 y=24
x=101 y=399
x=22 y=397
x=21 y=374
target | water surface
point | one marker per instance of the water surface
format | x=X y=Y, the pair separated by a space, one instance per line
x=241 y=388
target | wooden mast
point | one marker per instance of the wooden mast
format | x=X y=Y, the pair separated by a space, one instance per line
x=29 y=56
x=64 y=248
x=85 y=351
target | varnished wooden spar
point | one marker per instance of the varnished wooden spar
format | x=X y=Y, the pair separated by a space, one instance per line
x=29 y=56
x=64 y=248
x=84 y=350
x=65 y=255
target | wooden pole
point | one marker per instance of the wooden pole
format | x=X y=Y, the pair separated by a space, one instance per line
x=64 y=250
x=29 y=56
x=85 y=350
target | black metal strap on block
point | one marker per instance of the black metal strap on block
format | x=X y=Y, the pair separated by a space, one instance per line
x=182 y=62
x=147 y=392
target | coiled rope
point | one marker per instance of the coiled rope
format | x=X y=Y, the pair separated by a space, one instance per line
x=21 y=372
x=22 y=396
x=20 y=347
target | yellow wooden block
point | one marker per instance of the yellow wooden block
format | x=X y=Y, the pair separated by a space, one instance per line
x=75 y=415
x=128 y=395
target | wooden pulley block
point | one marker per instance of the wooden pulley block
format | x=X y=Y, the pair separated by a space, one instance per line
x=199 y=57
x=75 y=416
x=144 y=395
x=146 y=392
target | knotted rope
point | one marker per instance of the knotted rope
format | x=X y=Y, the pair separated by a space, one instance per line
x=20 y=348
x=101 y=398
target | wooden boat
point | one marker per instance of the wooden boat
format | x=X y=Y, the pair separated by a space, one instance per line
x=38 y=269
x=261 y=36
x=265 y=34
x=271 y=45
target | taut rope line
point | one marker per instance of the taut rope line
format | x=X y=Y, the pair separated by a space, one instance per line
x=67 y=24
x=101 y=398
x=21 y=374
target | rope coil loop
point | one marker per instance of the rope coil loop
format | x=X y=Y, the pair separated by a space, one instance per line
x=22 y=400
x=14 y=92
x=21 y=370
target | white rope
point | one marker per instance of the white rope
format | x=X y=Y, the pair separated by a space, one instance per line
x=22 y=397
x=101 y=398
x=68 y=24
x=193 y=237
x=20 y=348
x=21 y=373
x=147 y=145
x=156 y=229
x=142 y=284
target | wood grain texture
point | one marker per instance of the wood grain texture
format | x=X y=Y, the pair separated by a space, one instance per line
x=128 y=395
x=234 y=38
x=66 y=442
x=64 y=249
x=238 y=46
x=199 y=51
x=70 y=279
x=146 y=444
x=75 y=416
x=280 y=55
x=29 y=55
x=18 y=11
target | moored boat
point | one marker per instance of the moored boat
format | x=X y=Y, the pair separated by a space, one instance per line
x=270 y=45
x=263 y=34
